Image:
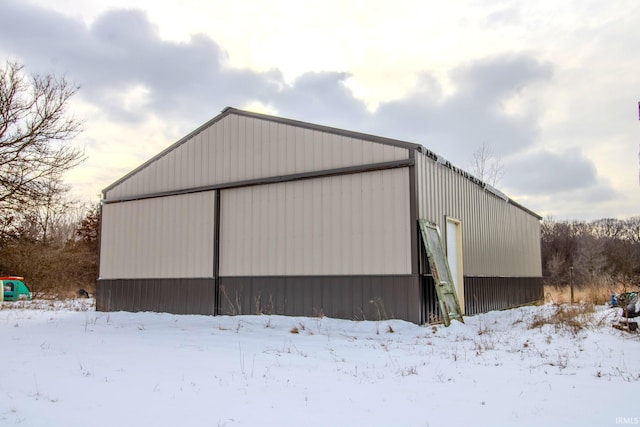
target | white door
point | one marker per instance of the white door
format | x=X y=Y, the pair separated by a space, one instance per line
x=454 y=256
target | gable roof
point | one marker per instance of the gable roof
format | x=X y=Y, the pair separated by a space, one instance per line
x=325 y=129
x=265 y=117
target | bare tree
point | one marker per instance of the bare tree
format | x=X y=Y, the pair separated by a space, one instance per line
x=604 y=251
x=632 y=227
x=608 y=228
x=35 y=128
x=61 y=259
x=55 y=217
x=88 y=229
x=590 y=259
x=486 y=166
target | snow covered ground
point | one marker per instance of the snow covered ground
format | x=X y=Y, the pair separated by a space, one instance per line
x=63 y=364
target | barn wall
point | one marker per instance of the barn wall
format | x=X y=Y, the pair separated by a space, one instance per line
x=175 y=295
x=298 y=233
x=357 y=224
x=498 y=238
x=484 y=294
x=163 y=237
x=239 y=148
x=345 y=297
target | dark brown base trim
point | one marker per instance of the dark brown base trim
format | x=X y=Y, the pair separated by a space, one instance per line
x=482 y=294
x=343 y=297
x=406 y=297
x=179 y=296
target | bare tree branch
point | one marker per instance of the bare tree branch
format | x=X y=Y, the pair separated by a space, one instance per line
x=35 y=128
x=486 y=166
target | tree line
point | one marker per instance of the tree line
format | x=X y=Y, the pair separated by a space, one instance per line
x=54 y=247
x=601 y=252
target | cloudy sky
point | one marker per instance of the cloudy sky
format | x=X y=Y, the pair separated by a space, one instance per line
x=551 y=87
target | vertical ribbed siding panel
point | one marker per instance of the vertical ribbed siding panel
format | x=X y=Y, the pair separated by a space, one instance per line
x=287 y=164
x=357 y=244
x=141 y=186
x=277 y=147
x=499 y=239
x=349 y=297
x=315 y=151
x=230 y=205
x=255 y=152
x=178 y=295
x=499 y=293
x=299 y=146
x=159 y=217
x=190 y=161
x=351 y=224
x=348 y=213
x=216 y=155
x=197 y=173
x=238 y=148
x=231 y=142
x=367 y=225
x=179 y=172
x=376 y=213
x=263 y=245
x=241 y=143
x=323 y=219
x=155 y=238
x=157 y=178
x=204 y=158
x=127 y=217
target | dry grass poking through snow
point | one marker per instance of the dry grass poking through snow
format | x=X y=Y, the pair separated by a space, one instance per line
x=570 y=317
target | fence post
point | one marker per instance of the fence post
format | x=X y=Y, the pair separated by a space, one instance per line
x=571 y=282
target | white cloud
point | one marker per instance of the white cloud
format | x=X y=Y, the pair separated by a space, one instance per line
x=535 y=81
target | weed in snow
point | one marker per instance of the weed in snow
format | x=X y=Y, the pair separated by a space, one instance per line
x=411 y=370
x=566 y=318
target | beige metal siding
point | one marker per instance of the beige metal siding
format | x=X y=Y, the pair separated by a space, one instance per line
x=499 y=239
x=238 y=148
x=342 y=225
x=163 y=237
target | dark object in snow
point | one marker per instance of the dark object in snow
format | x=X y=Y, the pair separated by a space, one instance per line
x=614 y=300
x=83 y=293
x=626 y=326
x=630 y=303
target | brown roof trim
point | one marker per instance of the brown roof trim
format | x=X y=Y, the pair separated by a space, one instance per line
x=322 y=128
x=168 y=150
x=527 y=210
x=485 y=186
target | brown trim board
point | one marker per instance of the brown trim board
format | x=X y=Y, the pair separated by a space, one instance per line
x=483 y=294
x=216 y=252
x=371 y=167
x=177 y=295
x=344 y=297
